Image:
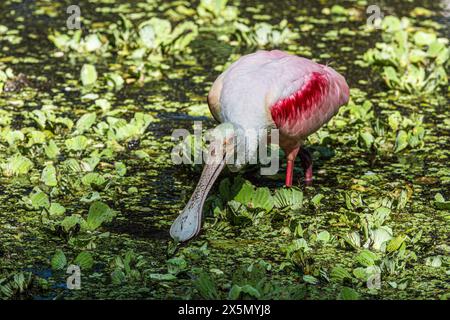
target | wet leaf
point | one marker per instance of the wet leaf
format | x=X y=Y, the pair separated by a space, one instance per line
x=93 y=179
x=88 y=75
x=17 y=165
x=310 y=279
x=176 y=265
x=59 y=260
x=48 y=176
x=71 y=221
x=261 y=198
x=440 y=202
x=424 y=38
x=206 y=286
x=317 y=199
x=236 y=292
x=324 y=236
x=395 y=243
x=401 y=141
x=291 y=198
x=339 y=274
x=121 y=168
x=51 y=150
x=85 y=122
x=78 y=143
x=366 y=258
x=162 y=277
x=434 y=262
x=380 y=237
x=39 y=199
x=56 y=209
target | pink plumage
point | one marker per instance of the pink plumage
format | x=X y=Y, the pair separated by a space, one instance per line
x=269 y=88
x=302 y=103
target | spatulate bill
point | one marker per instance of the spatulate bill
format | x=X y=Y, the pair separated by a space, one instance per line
x=188 y=224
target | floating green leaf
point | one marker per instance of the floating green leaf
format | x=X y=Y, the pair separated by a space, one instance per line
x=162 y=277
x=440 y=202
x=17 y=165
x=236 y=292
x=84 y=260
x=367 y=258
x=56 y=209
x=395 y=243
x=339 y=274
x=88 y=75
x=206 y=287
x=291 y=198
x=59 y=260
x=48 y=176
x=78 y=143
x=85 y=122
x=324 y=236
x=99 y=213
x=51 y=150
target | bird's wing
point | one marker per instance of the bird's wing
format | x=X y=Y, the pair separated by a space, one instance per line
x=305 y=95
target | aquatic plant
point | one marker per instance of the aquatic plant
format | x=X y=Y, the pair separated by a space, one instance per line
x=265 y=34
x=389 y=133
x=91 y=44
x=84 y=260
x=404 y=133
x=248 y=282
x=217 y=11
x=132 y=267
x=411 y=59
x=128 y=268
x=15 y=285
x=240 y=202
x=7 y=77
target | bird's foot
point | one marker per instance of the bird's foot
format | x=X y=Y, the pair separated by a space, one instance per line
x=290 y=157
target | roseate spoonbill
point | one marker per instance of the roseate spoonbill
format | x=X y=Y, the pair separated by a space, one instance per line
x=266 y=89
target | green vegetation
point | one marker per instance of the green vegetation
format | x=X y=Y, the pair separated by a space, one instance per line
x=412 y=59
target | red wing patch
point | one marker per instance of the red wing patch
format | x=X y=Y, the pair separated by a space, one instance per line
x=302 y=101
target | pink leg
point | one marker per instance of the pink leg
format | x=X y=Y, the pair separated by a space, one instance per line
x=290 y=157
x=306 y=158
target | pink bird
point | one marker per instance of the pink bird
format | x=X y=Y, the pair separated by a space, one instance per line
x=266 y=89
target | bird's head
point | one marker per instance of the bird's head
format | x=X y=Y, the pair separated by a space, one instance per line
x=238 y=146
x=221 y=144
